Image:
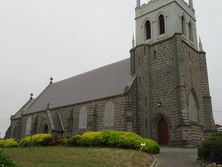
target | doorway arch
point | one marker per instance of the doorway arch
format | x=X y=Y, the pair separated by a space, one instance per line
x=45 y=129
x=163 y=132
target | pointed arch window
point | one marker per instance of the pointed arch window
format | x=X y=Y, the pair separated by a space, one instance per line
x=190 y=31
x=193 y=107
x=148 y=29
x=28 y=126
x=83 y=118
x=109 y=115
x=183 y=25
x=161 y=24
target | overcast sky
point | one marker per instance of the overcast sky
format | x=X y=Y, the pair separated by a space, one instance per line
x=40 y=39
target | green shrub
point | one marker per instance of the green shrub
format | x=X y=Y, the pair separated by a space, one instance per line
x=211 y=148
x=59 y=142
x=89 y=139
x=120 y=139
x=37 y=140
x=8 y=143
x=72 y=141
x=151 y=146
x=114 y=139
x=5 y=161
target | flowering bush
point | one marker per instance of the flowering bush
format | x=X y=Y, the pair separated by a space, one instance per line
x=8 y=143
x=116 y=139
x=37 y=140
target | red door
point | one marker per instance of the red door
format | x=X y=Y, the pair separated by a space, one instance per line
x=163 y=132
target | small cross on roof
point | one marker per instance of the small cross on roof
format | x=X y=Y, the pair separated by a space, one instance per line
x=51 y=80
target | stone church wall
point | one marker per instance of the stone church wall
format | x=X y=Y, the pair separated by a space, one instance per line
x=163 y=83
x=66 y=117
x=14 y=130
x=95 y=117
x=209 y=124
x=167 y=72
x=156 y=75
x=195 y=73
x=132 y=119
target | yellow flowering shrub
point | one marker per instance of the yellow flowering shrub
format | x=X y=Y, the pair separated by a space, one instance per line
x=37 y=140
x=114 y=139
x=8 y=143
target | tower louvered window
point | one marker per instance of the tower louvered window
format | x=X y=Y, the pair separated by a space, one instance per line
x=161 y=24
x=183 y=26
x=148 y=29
x=190 y=32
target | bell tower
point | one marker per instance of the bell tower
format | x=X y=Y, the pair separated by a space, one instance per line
x=160 y=19
x=173 y=98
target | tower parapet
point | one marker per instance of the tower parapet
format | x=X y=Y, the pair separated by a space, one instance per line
x=152 y=2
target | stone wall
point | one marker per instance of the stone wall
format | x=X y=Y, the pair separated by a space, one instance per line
x=96 y=111
x=196 y=79
x=167 y=72
x=124 y=110
x=132 y=114
x=156 y=78
x=14 y=131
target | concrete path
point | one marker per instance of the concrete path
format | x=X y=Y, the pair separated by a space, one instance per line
x=177 y=157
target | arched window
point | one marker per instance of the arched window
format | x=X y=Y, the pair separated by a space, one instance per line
x=190 y=31
x=83 y=118
x=183 y=25
x=28 y=126
x=148 y=29
x=192 y=107
x=161 y=24
x=109 y=115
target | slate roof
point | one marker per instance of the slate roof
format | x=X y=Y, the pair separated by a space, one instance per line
x=107 y=81
x=23 y=109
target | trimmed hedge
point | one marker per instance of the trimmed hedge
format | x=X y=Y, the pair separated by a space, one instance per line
x=114 y=139
x=107 y=138
x=37 y=140
x=5 y=161
x=8 y=143
x=211 y=149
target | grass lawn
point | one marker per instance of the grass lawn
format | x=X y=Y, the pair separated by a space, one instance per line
x=78 y=157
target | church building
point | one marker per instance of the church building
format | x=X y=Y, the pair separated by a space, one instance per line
x=160 y=92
